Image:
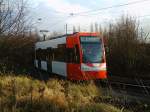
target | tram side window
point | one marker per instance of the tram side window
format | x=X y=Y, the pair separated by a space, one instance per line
x=49 y=54
x=60 y=53
x=73 y=55
x=69 y=55
x=41 y=54
x=76 y=54
x=38 y=54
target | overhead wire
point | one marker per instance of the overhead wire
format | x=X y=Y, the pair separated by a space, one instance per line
x=58 y=22
x=110 y=7
x=97 y=11
x=65 y=19
x=144 y=16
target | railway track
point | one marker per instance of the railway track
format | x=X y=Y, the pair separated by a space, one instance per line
x=132 y=88
x=134 y=81
x=128 y=84
x=140 y=89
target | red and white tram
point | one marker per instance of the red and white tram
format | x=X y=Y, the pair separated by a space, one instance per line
x=78 y=56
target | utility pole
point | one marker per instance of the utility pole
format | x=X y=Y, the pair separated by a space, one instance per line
x=74 y=29
x=79 y=28
x=44 y=33
x=66 y=28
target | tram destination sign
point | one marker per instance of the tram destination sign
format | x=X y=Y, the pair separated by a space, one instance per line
x=89 y=39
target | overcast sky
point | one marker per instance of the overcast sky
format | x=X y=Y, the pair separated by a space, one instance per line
x=56 y=13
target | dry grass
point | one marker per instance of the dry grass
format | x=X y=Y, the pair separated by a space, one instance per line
x=24 y=94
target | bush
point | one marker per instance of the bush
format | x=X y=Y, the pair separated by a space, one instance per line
x=126 y=54
x=16 y=53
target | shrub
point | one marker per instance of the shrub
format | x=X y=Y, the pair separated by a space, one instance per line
x=16 y=53
x=126 y=54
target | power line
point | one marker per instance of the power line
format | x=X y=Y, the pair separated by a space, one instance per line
x=58 y=22
x=64 y=19
x=55 y=24
x=134 y=18
x=58 y=12
x=104 y=21
x=144 y=16
x=113 y=6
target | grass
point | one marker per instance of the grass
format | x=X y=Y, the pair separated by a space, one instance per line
x=24 y=94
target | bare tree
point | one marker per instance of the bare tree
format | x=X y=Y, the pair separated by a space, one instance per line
x=127 y=52
x=12 y=16
x=96 y=27
x=79 y=28
x=91 y=28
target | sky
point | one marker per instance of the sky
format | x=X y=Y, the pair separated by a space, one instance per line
x=55 y=14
